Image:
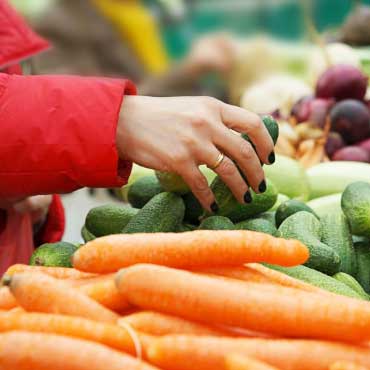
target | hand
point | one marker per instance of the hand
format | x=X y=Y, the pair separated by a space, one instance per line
x=212 y=53
x=37 y=206
x=179 y=134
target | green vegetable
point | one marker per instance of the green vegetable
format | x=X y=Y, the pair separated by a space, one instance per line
x=258 y=224
x=363 y=264
x=231 y=208
x=356 y=238
x=142 y=190
x=356 y=206
x=185 y=227
x=335 y=233
x=272 y=128
x=193 y=209
x=318 y=279
x=216 y=223
x=163 y=213
x=53 y=255
x=290 y=207
x=352 y=283
x=305 y=227
x=289 y=177
x=280 y=199
x=332 y=177
x=109 y=219
x=86 y=234
x=269 y=216
x=326 y=205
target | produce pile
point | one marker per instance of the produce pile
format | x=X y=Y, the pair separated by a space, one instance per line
x=333 y=124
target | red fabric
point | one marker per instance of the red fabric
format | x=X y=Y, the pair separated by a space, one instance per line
x=18 y=41
x=60 y=134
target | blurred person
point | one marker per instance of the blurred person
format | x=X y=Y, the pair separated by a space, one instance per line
x=120 y=38
x=60 y=133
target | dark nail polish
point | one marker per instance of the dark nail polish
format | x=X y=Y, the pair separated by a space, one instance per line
x=271 y=158
x=214 y=207
x=248 y=197
x=262 y=186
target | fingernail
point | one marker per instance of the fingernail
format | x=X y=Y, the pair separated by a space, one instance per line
x=262 y=186
x=271 y=158
x=248 y=197
x=214 y=207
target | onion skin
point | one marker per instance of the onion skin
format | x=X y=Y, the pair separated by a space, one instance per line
x=351 y=153
x=333 y=144
x=365 y=145
x=342 y=82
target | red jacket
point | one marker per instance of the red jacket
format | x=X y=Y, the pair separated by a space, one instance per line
x=57 y=133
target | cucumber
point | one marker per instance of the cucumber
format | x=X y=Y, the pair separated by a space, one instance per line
x=352 y=283
x=280 y=199
x=216 y=223
x=332 y=177
x=163 y=213
x=109 y=219
x=290 y=207
x=86 y=234
x=142 y=190
x=258 y=224
x=193 y=209
x=269 y=216
x=318 y=279
x=363 y=265
x=229 y=207
x=305 y=227
x=327 y=204
x=185 y=227
x=356 y=206
x=53 y=255
x=272 y=128
x=336 y=234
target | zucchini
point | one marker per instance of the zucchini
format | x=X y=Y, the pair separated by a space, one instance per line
x=356 y=206
x=352 y=283
x=318 y=279
x=258 y=224
x=336 y=234
x=290 y=207
x=305 y=227
x=332 y=177
x=363 y=265
x=163 y=213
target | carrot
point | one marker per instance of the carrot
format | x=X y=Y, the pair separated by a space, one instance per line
x=108 y=334
x=42 y=293
x=191 y=250
x=254 y=272
x=260 y=307
x=208 y=353
x=237 y=362
x=95 y=279
x=7 y=300
x=38 y=351
x=106 y=293
x=156 y=323
x=347 y=366
x=57 y=272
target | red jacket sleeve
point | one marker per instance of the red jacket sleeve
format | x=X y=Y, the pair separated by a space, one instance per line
x=58 y=134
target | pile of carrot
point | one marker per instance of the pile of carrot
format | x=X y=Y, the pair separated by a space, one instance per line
x=199 y=300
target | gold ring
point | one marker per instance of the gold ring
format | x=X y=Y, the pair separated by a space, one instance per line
x=219 y=160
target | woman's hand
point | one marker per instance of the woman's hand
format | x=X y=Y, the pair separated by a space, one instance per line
x=37 y=206
x=179 y=134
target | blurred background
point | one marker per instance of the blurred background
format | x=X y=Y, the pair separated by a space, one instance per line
x=263 y=55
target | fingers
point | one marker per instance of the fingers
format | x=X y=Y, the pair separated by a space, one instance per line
x=251 y=124
x=245 y=156
x=199 y=186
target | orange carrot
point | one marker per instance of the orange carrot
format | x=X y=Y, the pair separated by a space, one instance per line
x=156 y=323
x=92 y=280
x=254 y=272
x=208 y=353
x=108 y=334
x=57 y=272
x=191 y=250
x=347 y=366
x=38 y=351
x=106 y=293
x=7 y=300
x=238 y=362
x=260 y=307
x=42 y=293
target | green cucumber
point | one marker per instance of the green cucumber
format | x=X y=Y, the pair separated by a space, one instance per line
x=142 y=190
x=163 y=213
x=336 y=234
x=318 y=279
x=305 y=227
x=216 y=223
x=363 y=264
x=258 y=224
x=352 y=283
x=87 y=236
x=269 y=216
x=290 y=207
